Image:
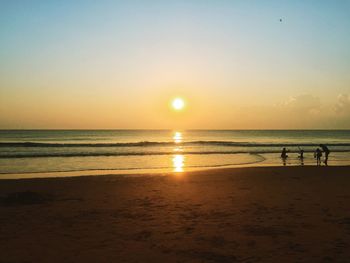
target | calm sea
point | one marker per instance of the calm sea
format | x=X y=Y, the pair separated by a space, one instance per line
x=34 y=153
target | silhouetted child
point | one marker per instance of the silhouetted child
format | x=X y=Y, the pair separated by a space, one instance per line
x=318 y=155
x=301 y=156
x=284 y=156
x=284 y=153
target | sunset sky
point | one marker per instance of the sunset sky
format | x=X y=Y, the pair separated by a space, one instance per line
x=118 y=64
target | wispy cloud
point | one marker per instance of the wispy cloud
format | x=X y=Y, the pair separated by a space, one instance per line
x=343 y=104
x=305 y=103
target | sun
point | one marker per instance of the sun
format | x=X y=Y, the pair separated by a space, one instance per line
x=178 y=104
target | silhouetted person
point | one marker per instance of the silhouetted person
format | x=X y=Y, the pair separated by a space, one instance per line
x=326 y=153
x=301 y=153
x=301 y=156
x=284 y=155
x=318 y=155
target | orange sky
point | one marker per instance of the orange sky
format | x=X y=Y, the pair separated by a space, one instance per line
x=118 y=65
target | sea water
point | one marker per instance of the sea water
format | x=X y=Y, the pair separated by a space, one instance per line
x=36 y=153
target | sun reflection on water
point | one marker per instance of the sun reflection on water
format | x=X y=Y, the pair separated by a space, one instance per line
x=177 y=137
x=178 y=159
x=178 y=163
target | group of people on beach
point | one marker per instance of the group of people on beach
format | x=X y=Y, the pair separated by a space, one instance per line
x=317 y=155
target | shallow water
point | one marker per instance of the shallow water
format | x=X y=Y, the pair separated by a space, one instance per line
x=125 y=151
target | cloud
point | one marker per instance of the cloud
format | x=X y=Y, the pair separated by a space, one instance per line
x=305 y=111
x=341 y=112
x=305 y=103
x=343 y=104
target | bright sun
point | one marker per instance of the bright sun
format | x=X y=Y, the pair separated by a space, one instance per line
x=178 y=104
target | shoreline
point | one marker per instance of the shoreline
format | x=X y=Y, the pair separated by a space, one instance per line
x=145 y=172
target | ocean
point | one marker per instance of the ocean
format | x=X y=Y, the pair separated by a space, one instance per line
x=44 y=153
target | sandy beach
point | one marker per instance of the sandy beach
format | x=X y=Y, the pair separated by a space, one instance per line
x=276 y=214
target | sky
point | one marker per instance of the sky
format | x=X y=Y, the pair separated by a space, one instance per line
x=117 y=64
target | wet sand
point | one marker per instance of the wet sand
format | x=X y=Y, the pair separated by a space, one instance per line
x=265 y=214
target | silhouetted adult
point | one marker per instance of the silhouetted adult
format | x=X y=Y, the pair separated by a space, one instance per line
x=326 y=153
